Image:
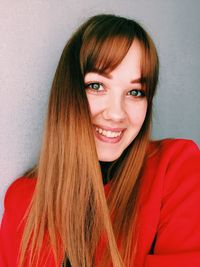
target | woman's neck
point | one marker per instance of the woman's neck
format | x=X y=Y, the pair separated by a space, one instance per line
x=106 y=171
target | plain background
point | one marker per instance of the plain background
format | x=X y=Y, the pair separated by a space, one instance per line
x=32 y=36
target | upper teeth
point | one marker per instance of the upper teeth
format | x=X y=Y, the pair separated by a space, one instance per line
x=108 y=133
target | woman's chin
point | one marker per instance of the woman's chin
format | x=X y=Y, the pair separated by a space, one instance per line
x=108 y=157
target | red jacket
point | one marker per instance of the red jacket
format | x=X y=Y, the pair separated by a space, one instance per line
x=169 y=216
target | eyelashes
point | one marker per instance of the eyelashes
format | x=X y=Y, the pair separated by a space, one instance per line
x=137 y=93
x=94 y=86
x=97 y=88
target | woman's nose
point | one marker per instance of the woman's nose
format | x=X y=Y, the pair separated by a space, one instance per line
x=114 y=110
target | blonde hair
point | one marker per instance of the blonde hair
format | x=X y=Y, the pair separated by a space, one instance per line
x=69 y=208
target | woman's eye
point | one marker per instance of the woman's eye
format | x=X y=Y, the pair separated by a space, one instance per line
x=94 y=86
x=136 y=93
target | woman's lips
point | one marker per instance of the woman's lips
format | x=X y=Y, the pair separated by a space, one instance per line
x=108 y=135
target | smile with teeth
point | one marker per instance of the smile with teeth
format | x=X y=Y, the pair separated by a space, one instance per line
x=109 y=134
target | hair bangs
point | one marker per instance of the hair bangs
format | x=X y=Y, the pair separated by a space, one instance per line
x=103 y=50
x=105 y=55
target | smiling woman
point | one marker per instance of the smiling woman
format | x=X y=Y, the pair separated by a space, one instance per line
x=103 y=193
x=118 y=104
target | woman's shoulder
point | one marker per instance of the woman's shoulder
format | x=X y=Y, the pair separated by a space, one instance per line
x=19 y=193
x=174 y=162
x=172 y=146
x=169 y=157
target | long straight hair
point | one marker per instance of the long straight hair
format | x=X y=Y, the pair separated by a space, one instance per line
x=69 y=209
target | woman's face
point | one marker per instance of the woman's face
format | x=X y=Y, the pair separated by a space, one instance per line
x=118 y=105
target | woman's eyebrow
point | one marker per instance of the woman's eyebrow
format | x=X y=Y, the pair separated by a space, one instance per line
x=109 y=76
x=138 y=80
x=104 y=74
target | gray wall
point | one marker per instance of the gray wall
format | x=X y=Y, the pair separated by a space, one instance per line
x=33 y=34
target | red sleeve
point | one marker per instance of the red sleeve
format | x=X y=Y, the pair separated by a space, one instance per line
x=177 y=242
x=16 y=202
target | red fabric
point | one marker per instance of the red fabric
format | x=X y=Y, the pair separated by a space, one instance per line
x=169 y=216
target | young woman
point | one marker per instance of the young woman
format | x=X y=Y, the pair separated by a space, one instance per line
x=102 y=193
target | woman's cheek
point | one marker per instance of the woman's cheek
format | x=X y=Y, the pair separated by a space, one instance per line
x=137 y=112
x=96 y=104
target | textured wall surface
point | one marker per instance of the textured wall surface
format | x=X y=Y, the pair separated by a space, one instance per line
x=32 y=36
